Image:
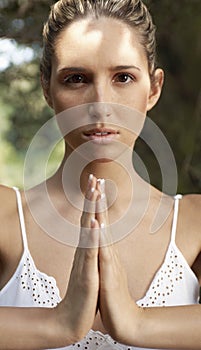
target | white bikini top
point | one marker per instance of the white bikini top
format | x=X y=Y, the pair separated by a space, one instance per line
x=173 y=284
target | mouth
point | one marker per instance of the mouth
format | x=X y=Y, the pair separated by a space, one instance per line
x=101 y=135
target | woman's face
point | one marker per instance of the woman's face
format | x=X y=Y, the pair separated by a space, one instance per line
x=101 y=61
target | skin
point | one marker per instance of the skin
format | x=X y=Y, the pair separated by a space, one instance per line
x=103 y=277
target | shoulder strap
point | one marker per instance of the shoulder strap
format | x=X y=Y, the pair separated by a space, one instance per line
x=21 y=217
x=177 y=198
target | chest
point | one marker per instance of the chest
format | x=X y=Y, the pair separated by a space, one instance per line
x=140 y=254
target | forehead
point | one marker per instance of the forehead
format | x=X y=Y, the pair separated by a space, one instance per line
x=103 y=38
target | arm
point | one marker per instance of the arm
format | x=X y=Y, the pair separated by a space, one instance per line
x=32 y=328
x=70 y=321
x=159 y=327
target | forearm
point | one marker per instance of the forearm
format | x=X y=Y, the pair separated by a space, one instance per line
x=165 y=328
x=32 y=328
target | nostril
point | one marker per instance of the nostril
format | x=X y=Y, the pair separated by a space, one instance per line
x=99 y=110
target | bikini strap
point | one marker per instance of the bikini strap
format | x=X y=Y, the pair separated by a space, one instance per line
x=21 y=217
x=177 y=198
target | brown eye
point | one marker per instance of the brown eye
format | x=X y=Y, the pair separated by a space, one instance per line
x=124 y=78
x=75 y=79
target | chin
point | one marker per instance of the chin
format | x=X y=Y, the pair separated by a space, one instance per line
x=104 y=160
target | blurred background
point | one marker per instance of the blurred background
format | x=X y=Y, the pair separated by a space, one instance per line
x=23 y=109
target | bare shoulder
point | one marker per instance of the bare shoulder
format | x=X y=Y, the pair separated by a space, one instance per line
x=8 y=214
x=7 y=200
x=191 y=207
x=190 y=214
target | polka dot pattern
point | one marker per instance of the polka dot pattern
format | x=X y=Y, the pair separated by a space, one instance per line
x=167 y=281
x=41 y=288
x=29 y=287
x=97 y=340
x=34 y=288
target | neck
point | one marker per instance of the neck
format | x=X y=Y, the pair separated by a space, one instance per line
x=121 y=178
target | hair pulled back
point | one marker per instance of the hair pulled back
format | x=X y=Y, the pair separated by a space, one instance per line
x=64 y=12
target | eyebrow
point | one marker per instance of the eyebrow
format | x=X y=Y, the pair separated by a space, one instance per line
x=73 y=69
x=125 y=67
x=82 y=69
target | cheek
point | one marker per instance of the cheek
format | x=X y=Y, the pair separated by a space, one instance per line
x=137 y=101
x=60 y=97
x=137 y=96
x=63 y=100
x=60 y=100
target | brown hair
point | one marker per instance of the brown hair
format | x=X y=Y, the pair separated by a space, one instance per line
x=64 y=12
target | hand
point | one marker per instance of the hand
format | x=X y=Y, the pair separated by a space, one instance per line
x=45 y=328
x=117 y=308
x=80 y=302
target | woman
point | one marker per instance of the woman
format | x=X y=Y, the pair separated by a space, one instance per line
x=99 y=55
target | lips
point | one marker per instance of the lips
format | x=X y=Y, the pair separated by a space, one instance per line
x=101 y=135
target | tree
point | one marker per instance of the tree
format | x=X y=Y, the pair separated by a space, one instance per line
x=178 y=114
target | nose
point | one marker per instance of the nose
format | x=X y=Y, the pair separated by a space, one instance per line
x=101 y=96
x=100 y=110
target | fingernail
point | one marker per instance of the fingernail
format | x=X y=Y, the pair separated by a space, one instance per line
x=91 y=177
x=102 y=195
x=102 y=185
x=92 y=189
x=102 y=225
x=102 y=181
x=93 y=221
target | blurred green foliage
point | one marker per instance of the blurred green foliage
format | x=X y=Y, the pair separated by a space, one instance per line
x=178 y=114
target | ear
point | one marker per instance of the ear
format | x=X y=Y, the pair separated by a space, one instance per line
x=46 y=90
x=156 y=88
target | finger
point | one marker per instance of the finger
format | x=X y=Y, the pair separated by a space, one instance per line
x=101 y=204
x=87 y=249
x=91 y=184
x=89 y=236
x=89 y=225
x=89 y=202
x=102 y=215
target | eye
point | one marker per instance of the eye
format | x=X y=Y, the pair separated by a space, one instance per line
x=75 y=79
x=124 y=78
